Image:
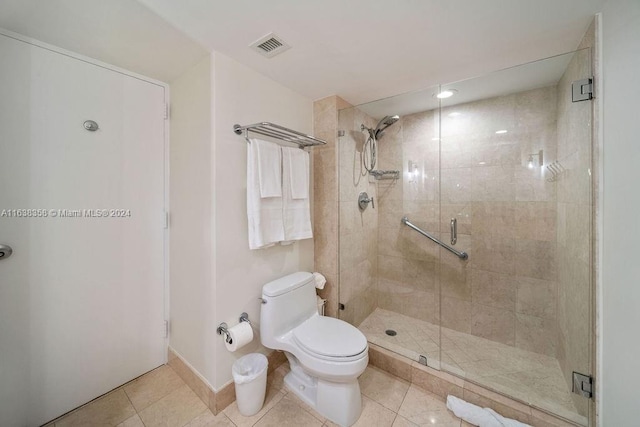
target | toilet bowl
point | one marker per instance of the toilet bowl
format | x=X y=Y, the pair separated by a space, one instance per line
x=326 y=355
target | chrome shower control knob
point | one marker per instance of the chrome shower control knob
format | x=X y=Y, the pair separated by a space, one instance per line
x=364 y=200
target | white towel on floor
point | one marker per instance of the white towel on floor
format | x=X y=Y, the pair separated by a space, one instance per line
x=297 y=211
x=481 y=417
x=269 y=168
x=264 y=214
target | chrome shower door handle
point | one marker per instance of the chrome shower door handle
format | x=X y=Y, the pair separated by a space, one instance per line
x=454 y=231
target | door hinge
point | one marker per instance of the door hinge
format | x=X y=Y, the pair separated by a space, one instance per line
x=166 y=329
x=582 y=385
x=582 y=90
x=166 y=219
x=166 y=111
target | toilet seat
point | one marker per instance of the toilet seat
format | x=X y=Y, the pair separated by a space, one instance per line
x=330 y=338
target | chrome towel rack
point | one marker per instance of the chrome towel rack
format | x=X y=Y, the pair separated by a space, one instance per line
x=279 y=132
x=461 y=255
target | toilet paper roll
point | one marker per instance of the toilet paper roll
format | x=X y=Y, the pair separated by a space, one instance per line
x=320 y=280
x=241 y=335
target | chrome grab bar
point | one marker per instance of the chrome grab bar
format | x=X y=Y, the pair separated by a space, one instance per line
x=461 y=255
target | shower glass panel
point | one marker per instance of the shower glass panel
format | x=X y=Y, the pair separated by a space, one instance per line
x=515 y=174
x=388 y=272
x=500 y=170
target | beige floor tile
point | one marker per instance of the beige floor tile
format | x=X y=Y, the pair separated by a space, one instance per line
x=207 y=419
x=273 y=396
x=306 y=407
x=403 y=422
x=152 y=387
x=134 y=421
x=373 y=415
x=287 y=412
x=109 y=410
x=384 y=388
x=276 y=378
x=424 y=408
x=175 y=409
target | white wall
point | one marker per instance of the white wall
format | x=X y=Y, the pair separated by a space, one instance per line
x=192 y=306
x=243 y=96
x=214 y=275
x=620 y=375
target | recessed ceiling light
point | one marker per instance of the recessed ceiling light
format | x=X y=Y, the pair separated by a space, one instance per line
x=454 y=114
x=446 y=93
x=501 y=131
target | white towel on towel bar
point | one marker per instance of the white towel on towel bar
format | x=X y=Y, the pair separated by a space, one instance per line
x=297 y=210
x=269 y=168
x=298 y=164
x=264 y=214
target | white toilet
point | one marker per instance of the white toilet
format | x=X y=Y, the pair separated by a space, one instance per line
x=326 y=354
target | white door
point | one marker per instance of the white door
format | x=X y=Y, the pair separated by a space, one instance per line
x=82 y=296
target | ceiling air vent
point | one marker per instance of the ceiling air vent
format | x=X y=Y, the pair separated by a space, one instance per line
x=269 y=45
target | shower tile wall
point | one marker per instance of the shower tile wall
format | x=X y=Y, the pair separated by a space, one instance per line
x=407 y=262
x=507 y=291
x=358 y=230
x=574 y=222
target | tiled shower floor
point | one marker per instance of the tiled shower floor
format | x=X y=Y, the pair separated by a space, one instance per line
x=527 y=376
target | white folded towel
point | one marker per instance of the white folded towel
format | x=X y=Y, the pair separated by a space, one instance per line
x=481 y=417
x=264 y=214
x=269 y=168
x=298 y=165
x=297 y=211
x=320 y=280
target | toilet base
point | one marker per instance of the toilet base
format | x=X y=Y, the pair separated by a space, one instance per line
x=339 y=402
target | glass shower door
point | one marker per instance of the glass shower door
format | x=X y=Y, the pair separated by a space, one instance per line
x=388 y=278
x=515 y=179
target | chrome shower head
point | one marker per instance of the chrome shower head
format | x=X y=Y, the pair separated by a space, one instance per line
x=383 y=124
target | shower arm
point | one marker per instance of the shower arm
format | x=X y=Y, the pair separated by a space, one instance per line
x=461 y=255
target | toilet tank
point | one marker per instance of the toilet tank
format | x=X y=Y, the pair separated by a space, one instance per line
x=288 y=301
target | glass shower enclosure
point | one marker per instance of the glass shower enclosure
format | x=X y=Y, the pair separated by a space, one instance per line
x=475 y=255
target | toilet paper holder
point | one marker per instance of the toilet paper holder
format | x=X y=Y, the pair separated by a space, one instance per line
x=223 y=328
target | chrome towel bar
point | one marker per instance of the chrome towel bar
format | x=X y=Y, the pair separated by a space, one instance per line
x=461 y=255
x=279 y=132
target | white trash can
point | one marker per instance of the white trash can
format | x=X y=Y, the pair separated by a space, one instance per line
x=250 y=378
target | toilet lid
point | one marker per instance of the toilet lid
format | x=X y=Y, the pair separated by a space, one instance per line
x=328 y=336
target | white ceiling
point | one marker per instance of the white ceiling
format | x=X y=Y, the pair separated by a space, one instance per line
x=120 y=32
x=364 y=50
